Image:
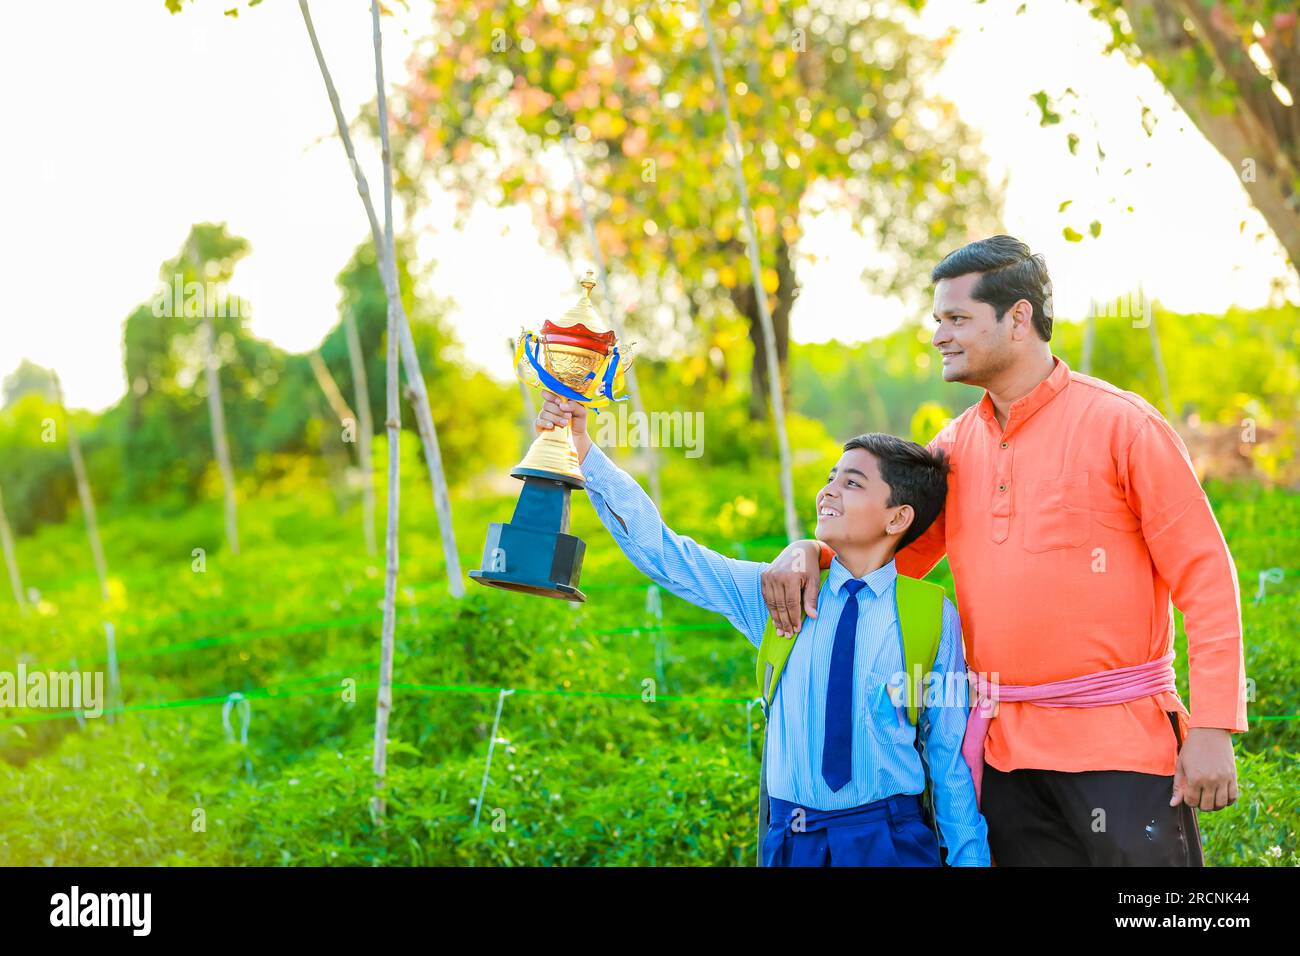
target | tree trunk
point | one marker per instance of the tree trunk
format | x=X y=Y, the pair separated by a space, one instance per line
x=365 y=427
x=11 y=559
x=770 y=346
x=410 y=360
x=748 y=306
x=83 y=492
x=1260 y=136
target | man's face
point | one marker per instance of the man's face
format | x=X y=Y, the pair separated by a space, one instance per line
x=973 y=344
x=851 y=507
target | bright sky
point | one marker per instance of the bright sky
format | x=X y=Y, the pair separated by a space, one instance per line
x=126 y=124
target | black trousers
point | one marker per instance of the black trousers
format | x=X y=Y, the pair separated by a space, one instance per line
x=1091 y=818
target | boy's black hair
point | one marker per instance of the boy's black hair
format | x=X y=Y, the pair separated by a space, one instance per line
x=1009 y=272
x=916 y=476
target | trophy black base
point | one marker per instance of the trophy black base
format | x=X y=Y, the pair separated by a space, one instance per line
x=534 y=554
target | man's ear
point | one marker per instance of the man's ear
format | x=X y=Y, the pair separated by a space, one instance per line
x=900 y=520
x=1021 y=315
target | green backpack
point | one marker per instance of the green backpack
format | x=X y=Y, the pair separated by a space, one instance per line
x=920 y=620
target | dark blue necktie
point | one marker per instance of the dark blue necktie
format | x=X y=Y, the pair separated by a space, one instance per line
x=837 y=749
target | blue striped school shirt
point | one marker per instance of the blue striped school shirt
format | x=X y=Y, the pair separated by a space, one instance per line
x=885 y=760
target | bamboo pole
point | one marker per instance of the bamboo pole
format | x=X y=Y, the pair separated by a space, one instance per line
x=615 y=317
x=384 y=703
x=217 y=416
x=331 y=389
x=365 y=426
x=528 y=410
x=83 y=491
x=760 y=294
x=410 y=358
x=1159 y=360
x=11 y=558
x=1089 y=339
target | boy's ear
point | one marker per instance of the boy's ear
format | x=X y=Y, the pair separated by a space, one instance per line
x=900 y=520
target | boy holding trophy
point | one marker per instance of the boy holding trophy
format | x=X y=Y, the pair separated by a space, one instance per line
x=846 y=748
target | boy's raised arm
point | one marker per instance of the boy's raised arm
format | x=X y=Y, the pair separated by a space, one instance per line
x=705 y=578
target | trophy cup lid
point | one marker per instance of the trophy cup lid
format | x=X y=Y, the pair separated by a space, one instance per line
x=582 y=325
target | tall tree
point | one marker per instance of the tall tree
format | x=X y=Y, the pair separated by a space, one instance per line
x=829 y=98
x=165 y=417
x=1234 y=68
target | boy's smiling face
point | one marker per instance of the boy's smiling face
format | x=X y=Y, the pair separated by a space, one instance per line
x=852 y=508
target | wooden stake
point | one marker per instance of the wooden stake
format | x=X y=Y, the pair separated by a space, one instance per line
x=217 y=416
x=365 y=427
x=331 y=389
x=410 y=359
x=11 y=559
x=83 y=491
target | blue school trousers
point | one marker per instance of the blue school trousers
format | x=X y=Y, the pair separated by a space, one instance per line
x=888 y=832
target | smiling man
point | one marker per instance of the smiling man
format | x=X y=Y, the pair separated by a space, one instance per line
x=1072 y=519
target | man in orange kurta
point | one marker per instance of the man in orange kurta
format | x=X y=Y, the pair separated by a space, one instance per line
x=1073 y=518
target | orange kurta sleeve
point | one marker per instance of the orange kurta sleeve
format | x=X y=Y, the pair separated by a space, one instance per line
x=920 y=557
x=827 y=554
x=1189 y=553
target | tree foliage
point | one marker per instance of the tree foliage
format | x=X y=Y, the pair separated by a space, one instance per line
x=1234 y=68
x=830 y=102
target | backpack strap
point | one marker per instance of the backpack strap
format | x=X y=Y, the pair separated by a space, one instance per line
x=772 y=655
x=920 y=620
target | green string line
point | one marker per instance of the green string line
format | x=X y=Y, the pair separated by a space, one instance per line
x=407 y=611
x=203 y=643
x=143 y=621
x=343 y=565
x=265 y=693
x=252 y=634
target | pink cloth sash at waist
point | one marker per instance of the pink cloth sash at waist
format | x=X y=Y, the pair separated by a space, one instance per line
x=1101 y=689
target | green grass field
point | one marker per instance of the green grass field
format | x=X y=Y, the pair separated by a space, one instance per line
x=586 y=770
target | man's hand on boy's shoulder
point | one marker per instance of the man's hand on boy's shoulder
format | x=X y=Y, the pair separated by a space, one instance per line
x=791 y=584
x=557 y=412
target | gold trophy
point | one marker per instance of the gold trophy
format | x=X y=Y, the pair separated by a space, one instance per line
x=578 y=358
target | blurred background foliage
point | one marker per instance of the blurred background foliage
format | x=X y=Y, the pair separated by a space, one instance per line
x=629 y=739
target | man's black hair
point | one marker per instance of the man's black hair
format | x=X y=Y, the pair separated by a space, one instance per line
x=916 y=476
x=1009 y=273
